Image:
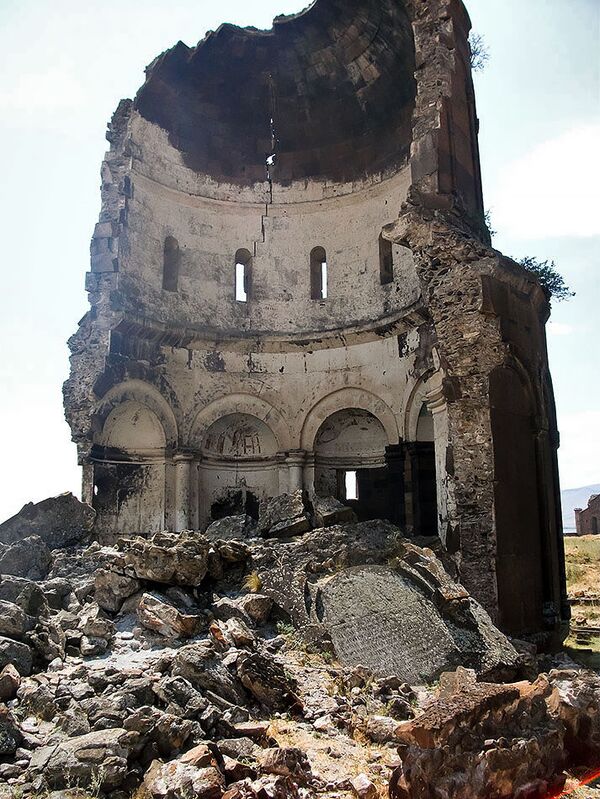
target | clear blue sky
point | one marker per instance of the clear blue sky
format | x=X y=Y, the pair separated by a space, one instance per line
x=64 y=64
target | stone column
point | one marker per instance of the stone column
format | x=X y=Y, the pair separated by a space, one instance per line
x=295 y=462
x=195 y=494
x=436 y=404
x=309 y=472
x=87 y=483
x=182 y=491
x=282 y=472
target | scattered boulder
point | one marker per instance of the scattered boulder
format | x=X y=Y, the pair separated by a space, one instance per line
x=364 y=788
x=112 y=589
x=156 y=613
x=230 y=528
x=287 y=762
x=409 y=619
x=285 y=515
x=10 y=680
x=29 y=557
x=99 y=757
x=25 y=593
x=16 y=653
x=172 y=558
x=178 y=780
x=328 y=511
x=13 y=621
x=267 y=681
x=257 y=606
x=59 y=521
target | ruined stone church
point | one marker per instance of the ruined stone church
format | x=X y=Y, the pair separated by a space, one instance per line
x=292 y=287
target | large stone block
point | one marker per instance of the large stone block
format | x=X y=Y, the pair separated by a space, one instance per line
x=59 y=521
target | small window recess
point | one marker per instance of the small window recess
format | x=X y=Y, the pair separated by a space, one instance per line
x=243 y=264
x=171 y=261
x=351 y=483
x=386 y=261
x=318 y=274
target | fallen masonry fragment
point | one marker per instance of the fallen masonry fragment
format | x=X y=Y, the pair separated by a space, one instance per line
x=123 y=677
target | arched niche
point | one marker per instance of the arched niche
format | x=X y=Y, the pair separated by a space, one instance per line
x=240 y=437
x=343 y=399
x=236 y=404
x=144 y=394
x=517 y=502
x=133 y=428
x=350 y=462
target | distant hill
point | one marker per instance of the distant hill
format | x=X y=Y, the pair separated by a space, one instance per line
x=575 y=498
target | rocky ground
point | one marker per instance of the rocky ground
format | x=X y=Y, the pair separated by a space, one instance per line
x=303 y=656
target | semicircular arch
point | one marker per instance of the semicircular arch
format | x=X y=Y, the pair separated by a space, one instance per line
x=245 y=404
x=144 y=394
x=344 y=399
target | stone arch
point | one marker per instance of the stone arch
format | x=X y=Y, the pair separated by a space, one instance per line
x=343 y=399
x=420 y=395
x=144 y=394
x=518 y=513
x=245 y=404
x=134 y=428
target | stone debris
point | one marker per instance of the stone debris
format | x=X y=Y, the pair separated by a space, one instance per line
x=123 y=673
x=59 y=521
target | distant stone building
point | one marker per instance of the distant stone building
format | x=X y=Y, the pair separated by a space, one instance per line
x=587 y=522
x=292 y=286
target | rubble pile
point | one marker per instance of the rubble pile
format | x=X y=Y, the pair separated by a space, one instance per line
x=273 y=660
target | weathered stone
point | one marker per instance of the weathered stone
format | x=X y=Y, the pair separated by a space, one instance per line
x=240 y=633
x=29 y=557
x=10 y=736
x=328 y=511
x=577 y=703
x=98 y=757
x=94 y=623
x=228 y=528
x=177 y=780
x=257 y=606
x=197 y=663
x=285 y=515
x=232 y=551
x=157 y=614
x=59 y=521
x=267 y=681
x=13 y=621
x=287 y=762
x=112 y=589
x=16 y=653
x=364 y=788
x=501 y=739
x=24 y=593
x=10 y=680
x=169 y=558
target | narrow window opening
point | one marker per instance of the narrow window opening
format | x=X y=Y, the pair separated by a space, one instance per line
x=318 y=274
x=351 y=482
x=171 y=261
x=386 y=261
x=243 y=262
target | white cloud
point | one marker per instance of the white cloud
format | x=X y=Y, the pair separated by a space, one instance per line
x=552 y=190
x=579 y=448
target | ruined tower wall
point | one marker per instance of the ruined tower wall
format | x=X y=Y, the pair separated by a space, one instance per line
x=345 y=137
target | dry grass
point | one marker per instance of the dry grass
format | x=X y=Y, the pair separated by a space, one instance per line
x=582 y=555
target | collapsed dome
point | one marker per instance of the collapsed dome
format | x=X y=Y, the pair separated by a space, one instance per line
x=329 y=92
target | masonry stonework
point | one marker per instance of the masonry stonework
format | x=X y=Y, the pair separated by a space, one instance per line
x=587 y=520
x=292 y=285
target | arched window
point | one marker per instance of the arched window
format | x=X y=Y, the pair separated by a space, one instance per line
x=243 y=266
x=171 y=259
x=386 y=261
x=318 y=274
